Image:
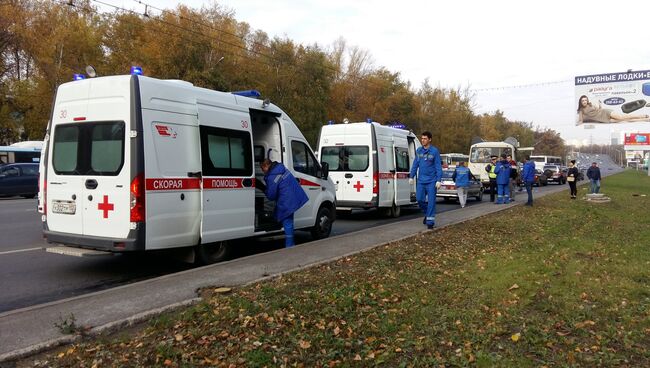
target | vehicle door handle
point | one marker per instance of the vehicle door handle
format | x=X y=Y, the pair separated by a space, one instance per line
x=197 y=174
x=247 y=182
x=91 y=184
x=392 y=171
x=348 y=176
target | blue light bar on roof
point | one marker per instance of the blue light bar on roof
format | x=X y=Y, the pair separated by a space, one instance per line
x=369 y=120
x=136 y=70
x=78 y=77
x=248 y=93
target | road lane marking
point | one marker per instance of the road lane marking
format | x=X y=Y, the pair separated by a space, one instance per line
x=20 y=250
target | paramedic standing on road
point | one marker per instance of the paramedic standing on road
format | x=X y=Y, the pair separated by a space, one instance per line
x=428 y=168
x=282 y=187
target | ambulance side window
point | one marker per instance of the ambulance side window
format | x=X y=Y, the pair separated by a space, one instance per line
x=303 y=160
x=226 y=152
x=402 y=159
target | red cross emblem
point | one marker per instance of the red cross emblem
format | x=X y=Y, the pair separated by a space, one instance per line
x=105 y=206
x=358 y=186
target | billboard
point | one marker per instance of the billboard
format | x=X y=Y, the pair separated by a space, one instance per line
x=613 y=98
x=637 y=141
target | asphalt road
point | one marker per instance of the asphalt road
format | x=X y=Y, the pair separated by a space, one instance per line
x=30 y=276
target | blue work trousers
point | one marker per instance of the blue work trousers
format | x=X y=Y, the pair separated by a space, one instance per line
x=529 y=190
x=287 y=223
x=503 y=193
x=426 y=197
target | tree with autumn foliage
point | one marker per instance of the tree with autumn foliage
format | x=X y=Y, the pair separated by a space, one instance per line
x=44 y=43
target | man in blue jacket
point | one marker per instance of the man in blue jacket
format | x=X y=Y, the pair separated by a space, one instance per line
x=528 y=176
x=282 y=187
x=593 y=173
x=428 y=167
x=503 y=180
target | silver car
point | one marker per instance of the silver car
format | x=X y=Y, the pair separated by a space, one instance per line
x=448 y=191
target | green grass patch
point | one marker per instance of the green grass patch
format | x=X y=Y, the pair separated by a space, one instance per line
x=564 y=283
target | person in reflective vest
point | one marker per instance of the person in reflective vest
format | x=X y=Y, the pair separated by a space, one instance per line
x=493 y=177
x=461 y=179
x=428 y=167
x=282 y=187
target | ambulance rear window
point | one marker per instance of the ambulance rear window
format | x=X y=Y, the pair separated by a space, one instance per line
x=346 y=158
x=89 y=149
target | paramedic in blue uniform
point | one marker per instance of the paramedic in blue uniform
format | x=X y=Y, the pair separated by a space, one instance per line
x=503 y=180
x=282 y=187
x=428 y=168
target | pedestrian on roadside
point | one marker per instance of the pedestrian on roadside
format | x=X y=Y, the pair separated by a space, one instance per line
x=513 y=176
x=593 y=173
x=282 y=187
x=428 y=167
x=503 y=180
x=492 y=175
x=572 y=178
x=461 y=177
x=528 y=177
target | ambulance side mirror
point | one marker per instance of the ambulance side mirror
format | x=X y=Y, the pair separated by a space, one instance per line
x=325 y=170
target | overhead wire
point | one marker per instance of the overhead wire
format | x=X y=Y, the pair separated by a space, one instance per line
x=244 y=48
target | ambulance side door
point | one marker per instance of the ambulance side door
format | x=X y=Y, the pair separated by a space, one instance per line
x=386 y=173
x=306 y=169
x=402 y=165
x=228 y=203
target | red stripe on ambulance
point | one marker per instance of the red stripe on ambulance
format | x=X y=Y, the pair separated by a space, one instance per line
x=226 y=183
x=172 y=184
x=308 y=183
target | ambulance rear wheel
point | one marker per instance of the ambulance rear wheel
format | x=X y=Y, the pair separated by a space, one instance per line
x=323 y=226
x=395 y=211
x=212 y=253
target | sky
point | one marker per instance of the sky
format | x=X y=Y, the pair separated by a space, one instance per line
x=519 y=57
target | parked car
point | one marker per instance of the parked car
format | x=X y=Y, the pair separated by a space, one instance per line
x=19 y=180
x=555 y=174
x=448 y=191
x=540 y=179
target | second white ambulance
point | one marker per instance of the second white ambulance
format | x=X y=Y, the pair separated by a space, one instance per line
x=370 y=165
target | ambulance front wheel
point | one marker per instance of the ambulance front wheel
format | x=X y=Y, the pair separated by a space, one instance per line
x=323 y=226
x=212 y=253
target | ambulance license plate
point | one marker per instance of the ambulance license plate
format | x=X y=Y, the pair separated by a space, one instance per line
x=64 y=207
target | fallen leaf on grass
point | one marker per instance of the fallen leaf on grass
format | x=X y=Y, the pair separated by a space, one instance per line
x=515 y=337
x=222 y=290
x=513 y=287
x=304 y=344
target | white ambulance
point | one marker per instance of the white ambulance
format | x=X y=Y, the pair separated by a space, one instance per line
x=370 y=165
x=137 y=164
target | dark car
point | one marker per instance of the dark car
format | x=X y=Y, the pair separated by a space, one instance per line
x=540 y=179
x=19 y=180
x=555 y=173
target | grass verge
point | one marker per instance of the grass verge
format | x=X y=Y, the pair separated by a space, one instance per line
x=564 y=283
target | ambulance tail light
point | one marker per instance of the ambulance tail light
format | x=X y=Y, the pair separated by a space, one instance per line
x=137 y=199
x=375 y=183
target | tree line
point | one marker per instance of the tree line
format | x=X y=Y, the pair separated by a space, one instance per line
x=43 y=43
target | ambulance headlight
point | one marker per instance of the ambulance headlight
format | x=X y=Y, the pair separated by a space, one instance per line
x=78 y=77
x=136 y=70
